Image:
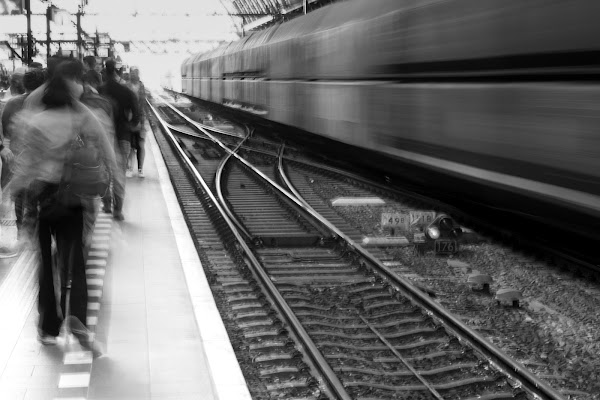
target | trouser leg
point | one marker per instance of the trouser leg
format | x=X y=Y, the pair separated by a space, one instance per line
x=130 y=159
x=107 y=198
x=49 y=320
x=89 y=218
x=26 y=214
x=30 y=213
x=119 y=181
x=141 y=152
x=69 y=235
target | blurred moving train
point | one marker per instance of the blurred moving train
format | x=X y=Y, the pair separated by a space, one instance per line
x=497 y=92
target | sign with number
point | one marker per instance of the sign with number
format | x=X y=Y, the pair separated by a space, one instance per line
x=421 y=218
x=446 y=246
x=396 y=220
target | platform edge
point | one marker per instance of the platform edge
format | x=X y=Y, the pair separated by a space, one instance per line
x=225 y=372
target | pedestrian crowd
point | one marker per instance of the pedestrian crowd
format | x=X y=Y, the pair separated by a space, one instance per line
x=70 y=136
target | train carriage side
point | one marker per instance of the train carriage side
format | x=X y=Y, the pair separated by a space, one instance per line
x=186 y=80
x=196 y=75
x=255 y=56
x=440 y=84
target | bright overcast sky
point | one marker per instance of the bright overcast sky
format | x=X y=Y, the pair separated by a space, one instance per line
x=156 y=19
x=119 y=7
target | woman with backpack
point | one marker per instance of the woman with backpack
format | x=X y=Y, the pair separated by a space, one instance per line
x=51 y=137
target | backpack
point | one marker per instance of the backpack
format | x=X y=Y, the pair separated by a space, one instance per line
x=84 y=175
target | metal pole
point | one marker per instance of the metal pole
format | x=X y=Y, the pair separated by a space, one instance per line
x=305 y=6
x=48 y=18
x=96 y=43
x=29 y=35
x=79 y=47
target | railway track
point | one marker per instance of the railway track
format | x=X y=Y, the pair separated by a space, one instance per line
x=553 y=252
x=293 y=281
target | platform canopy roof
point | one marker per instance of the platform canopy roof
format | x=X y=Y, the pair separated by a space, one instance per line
x=256 y=14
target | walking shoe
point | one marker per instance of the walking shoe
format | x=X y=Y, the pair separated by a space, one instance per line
x=129 y=173
x=91 y=345
x=106 y=210
x=46 y=340
x=140 y=173
x=118 y=215
x=6 y=252
x=84 y=336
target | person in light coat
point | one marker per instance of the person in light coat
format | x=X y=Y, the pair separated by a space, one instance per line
x=48 y=134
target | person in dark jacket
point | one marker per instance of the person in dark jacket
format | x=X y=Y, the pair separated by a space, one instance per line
x=125 y=115
x=89 y=66
x=103 y=110
x=138 y=134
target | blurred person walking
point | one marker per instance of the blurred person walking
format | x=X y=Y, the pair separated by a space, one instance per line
x=92 y=98
x=34 y=102
x=125 y=115
x=99 y=68
x=10 y=145
x=138 y=133
x=31 y=81
x=90 y=73
x=16 y=84
x=103 y=109
x=120 y=70
x=50 y=138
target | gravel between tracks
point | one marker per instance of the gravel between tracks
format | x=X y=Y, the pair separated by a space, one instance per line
x=556 y=330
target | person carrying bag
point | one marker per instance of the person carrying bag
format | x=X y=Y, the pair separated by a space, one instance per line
x=85 y=175
x=66 y=157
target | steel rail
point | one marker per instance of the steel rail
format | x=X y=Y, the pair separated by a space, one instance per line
x=429 y=387
x=255 y=239
x=593 y=268
x=330 y=379
x=454 y=211
x=218 y=177
x=212 y=128
x=512 y=368
x=286 y=180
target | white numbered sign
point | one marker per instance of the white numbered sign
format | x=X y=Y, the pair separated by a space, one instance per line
x=396 y=220
x=421 y=218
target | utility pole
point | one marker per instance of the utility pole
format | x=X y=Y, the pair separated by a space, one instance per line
x=48 y=18
x=96 y=43
x=29 y=58
x=79 y=45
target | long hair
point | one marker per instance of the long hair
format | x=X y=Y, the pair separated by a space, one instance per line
x=57 y=92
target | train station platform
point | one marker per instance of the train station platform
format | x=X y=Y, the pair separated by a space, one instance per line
x=149 y=305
